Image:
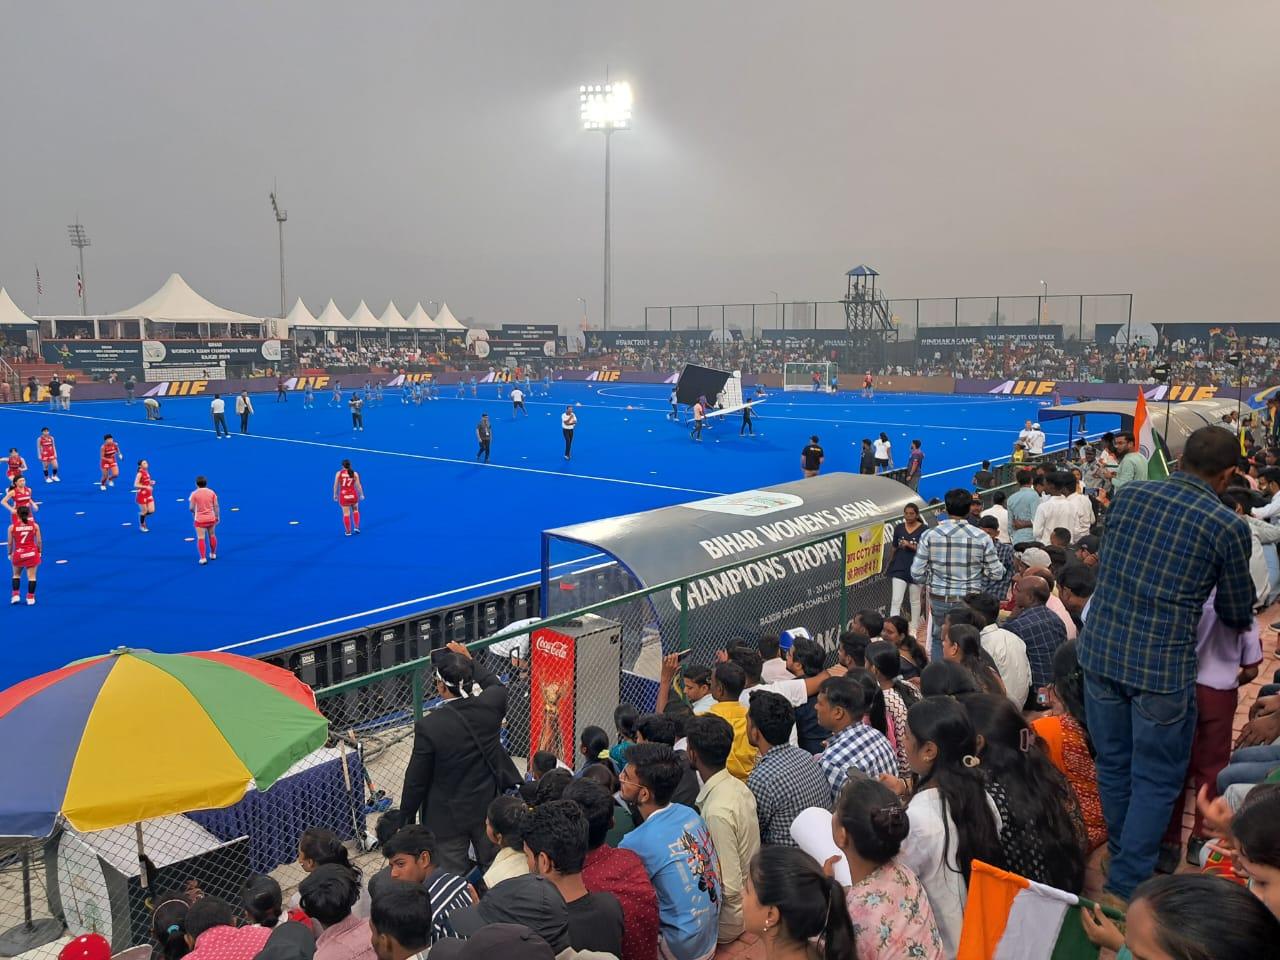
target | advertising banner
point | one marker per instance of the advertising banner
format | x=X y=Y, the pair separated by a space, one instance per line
x=643 y=339
x=799 y=339
x=863 y=553
x=1215 y=336
x=529 y=331
x=952 y=338
x=765 y=587
x=215 y=353
x=1045 y=389
x=552 y=694
x=503 y=350
x=98 y=358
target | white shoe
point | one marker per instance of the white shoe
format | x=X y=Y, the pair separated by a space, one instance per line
x=102 y=487
x=111 y=483
x=15 y=599
x=57 y=479
x=203 y=561
x=31 y=601
x=145 y=529
x=48 y=479
x=213 y=556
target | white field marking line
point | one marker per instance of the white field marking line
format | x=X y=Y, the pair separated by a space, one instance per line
x=769 y=416
x=399 y=453
x=396 y=606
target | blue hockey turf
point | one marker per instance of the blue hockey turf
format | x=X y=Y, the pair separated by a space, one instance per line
x=438 y=528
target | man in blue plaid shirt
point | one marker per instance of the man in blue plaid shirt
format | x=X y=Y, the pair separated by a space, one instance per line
x=841 y=707
x=953 y=560
x=1168 y=544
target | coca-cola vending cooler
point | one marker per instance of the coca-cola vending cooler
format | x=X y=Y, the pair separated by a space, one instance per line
x=575 y=681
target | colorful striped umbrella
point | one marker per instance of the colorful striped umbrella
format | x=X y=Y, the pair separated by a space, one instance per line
x=132 y=735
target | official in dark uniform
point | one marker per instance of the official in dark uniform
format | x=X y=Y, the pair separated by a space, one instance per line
x=484 y=434
x=458 y=765
x=811 y=458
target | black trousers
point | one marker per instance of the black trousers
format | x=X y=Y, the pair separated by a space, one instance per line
x=746 y=427
x=451 y=852
x=244 y=422
x=220 y=424
x=568 y=441
x=484 y=450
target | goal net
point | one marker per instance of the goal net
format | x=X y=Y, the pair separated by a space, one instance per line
x=809 y=376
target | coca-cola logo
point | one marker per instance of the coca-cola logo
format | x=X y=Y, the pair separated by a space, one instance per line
x=556 y=648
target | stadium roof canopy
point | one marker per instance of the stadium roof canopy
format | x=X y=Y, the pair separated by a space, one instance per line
x=176 y=302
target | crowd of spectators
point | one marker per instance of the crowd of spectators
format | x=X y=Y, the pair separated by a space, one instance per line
x=1087 y=638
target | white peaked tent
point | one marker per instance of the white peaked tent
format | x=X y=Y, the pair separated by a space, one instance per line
x=445 y=319
x=362 y=318
x=332 y=317
x=392 y=318
x=176 y=302
x=11 y=314
x=419 y=320
x=299 y=316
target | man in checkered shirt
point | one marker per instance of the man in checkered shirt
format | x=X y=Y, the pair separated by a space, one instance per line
x=1168 y=545
x=786 y=779
x=953 y=560
x=841 y=707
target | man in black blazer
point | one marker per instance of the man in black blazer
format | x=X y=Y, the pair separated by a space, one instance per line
x=458 y=765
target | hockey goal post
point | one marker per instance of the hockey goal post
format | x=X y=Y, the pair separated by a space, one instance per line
x=800 y=376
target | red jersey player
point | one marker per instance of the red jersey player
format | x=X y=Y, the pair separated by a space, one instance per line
x=18 y=495
x=48 y=456
x=348 y=492
x=206 y=512
x=25 y=545
x=109 y=454
x=144 y=487
x=16 y=465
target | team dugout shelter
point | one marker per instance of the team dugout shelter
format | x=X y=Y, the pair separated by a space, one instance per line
x=809 y=553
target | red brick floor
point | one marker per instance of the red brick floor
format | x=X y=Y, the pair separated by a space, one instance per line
x=748 y=947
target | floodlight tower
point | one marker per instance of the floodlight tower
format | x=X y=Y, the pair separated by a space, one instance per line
x=80 y=240
x=606 y=108
x=281 y=217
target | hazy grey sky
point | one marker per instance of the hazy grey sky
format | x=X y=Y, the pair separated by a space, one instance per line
x=432 y=150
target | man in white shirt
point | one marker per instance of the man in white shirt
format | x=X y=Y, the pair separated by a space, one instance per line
x=1084 y=515
x=796 y=690
x=1006 y=648
x=568 y=421
x=218 y=407
x=1001 y=513
x=1055 y=510
x=1024 y=437
x=64 y=394
x=1035 y=445
x=517 y=403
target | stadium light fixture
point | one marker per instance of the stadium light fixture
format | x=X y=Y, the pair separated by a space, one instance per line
x=606 y=108
x=80 y=240
x=281 y=217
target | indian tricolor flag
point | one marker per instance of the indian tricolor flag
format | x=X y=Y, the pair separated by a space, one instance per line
x=1009 y=917
x=1150 y=443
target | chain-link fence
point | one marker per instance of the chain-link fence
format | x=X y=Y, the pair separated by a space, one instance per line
x=601 y=645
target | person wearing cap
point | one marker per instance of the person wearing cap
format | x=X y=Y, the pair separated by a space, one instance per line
x=555 y=845
x=531 y=901
x=411 y=856
x=1038 y=627
x=329 y=892
x=952 y=560
x=458 y=764
x=510 y=941
x=91 y=946
x=212 y=934
x=400 y=924
x=678 y=853
x=1092 y=473
x=616 y=871
x=1087 y=550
